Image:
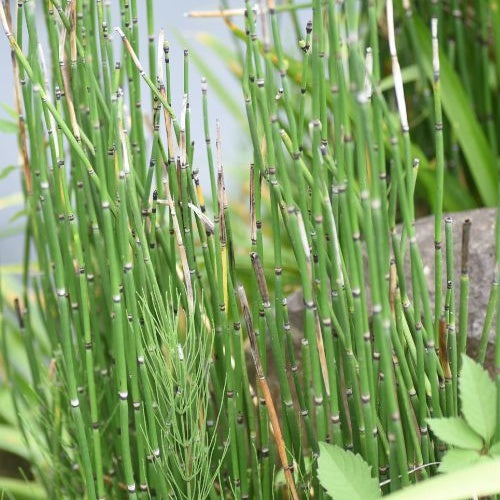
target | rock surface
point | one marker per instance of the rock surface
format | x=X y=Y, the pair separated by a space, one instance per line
x=481 y=275
x=481 y=269
x=481 y=259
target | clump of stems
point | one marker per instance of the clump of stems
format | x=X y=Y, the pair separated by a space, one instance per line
x=146 y=293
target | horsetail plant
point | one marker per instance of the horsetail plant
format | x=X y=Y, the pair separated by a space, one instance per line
x=164 y=359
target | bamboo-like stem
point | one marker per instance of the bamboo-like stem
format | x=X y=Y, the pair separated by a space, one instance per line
x=488 y=320
x=463 y=326
x=265 y=387
x=438 y=259
x=141 y=263
x=451 y=343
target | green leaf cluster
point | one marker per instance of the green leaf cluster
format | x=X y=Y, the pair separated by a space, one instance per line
x=345 y=475
x=470 y=437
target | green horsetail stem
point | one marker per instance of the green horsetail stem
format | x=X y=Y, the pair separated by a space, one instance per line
x=438 y=207
x=163 y=378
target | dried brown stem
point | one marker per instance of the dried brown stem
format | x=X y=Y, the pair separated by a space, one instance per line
x=266 y=393
x=261 y=279
x=216 y=13
x=443 y=350
x=23 y=144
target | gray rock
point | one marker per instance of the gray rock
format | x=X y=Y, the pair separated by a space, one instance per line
x=481 y=258
x=481 y=270
x=481 y=265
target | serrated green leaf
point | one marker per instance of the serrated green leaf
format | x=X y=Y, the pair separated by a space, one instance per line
x=344 y=475
x=455 y=432
x=495 y=449
x=458 y=459
x=479 y=398
x=476 y=480
x=8 y=127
